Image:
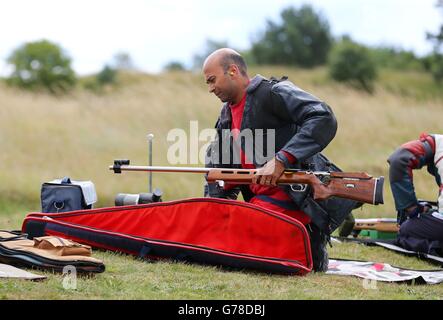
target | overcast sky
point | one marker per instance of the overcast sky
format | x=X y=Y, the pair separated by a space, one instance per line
x=155 y=32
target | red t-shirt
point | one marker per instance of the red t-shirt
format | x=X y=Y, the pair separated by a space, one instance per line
x=274 y=193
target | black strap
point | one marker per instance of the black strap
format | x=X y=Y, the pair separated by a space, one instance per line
x=18 y=235
x=289 y=205
x=144 y=251
x=429 y=154
x=274 y=79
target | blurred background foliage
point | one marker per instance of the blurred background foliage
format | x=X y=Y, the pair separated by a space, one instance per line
x=300 y=37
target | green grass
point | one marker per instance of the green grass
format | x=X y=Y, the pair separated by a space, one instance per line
x=44 y=137
x=127 y=277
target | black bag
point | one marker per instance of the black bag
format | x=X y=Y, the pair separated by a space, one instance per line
x=62 y=197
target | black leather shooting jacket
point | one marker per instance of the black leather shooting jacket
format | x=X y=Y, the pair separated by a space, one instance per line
x=300 y=124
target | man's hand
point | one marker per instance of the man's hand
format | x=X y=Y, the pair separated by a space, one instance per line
x=269 y=173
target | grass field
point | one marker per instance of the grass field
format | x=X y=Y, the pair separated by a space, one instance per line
x=79 y=135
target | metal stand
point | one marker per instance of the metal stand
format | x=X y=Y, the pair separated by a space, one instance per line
x=150 y=138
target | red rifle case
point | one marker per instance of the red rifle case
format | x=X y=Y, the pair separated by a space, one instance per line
x=201 y=230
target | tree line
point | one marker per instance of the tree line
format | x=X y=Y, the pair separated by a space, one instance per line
x=301 y=38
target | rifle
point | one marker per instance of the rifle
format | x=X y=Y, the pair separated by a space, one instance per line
x=379 y=224
x=358 y=186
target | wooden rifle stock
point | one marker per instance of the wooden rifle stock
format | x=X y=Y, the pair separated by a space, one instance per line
x=384 y=225
x=358 y=186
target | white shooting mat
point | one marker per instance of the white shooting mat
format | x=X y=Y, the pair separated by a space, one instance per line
x=383 y=272
x=7 y=271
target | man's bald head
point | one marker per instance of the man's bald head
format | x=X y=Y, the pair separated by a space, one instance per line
x=225 y=74
x=226 y=57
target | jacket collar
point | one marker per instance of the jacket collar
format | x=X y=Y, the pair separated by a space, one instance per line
x=255 y=82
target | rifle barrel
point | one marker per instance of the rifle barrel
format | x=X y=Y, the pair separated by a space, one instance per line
x=161 y=169
x=199 y=170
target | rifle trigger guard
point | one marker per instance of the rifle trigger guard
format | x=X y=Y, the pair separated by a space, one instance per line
x=299 y=187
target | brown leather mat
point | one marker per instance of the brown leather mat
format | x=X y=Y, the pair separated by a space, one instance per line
x=53 y=249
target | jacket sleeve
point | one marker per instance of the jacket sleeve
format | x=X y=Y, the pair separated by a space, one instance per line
x=314 y=118
x=213 y=160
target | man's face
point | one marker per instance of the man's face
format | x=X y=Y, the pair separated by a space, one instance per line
x=219 y=82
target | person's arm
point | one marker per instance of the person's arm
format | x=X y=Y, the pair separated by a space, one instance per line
x=401 y=165
x=315 y=119
x=317 y=127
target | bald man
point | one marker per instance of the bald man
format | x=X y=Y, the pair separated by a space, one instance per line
x=299 y=126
